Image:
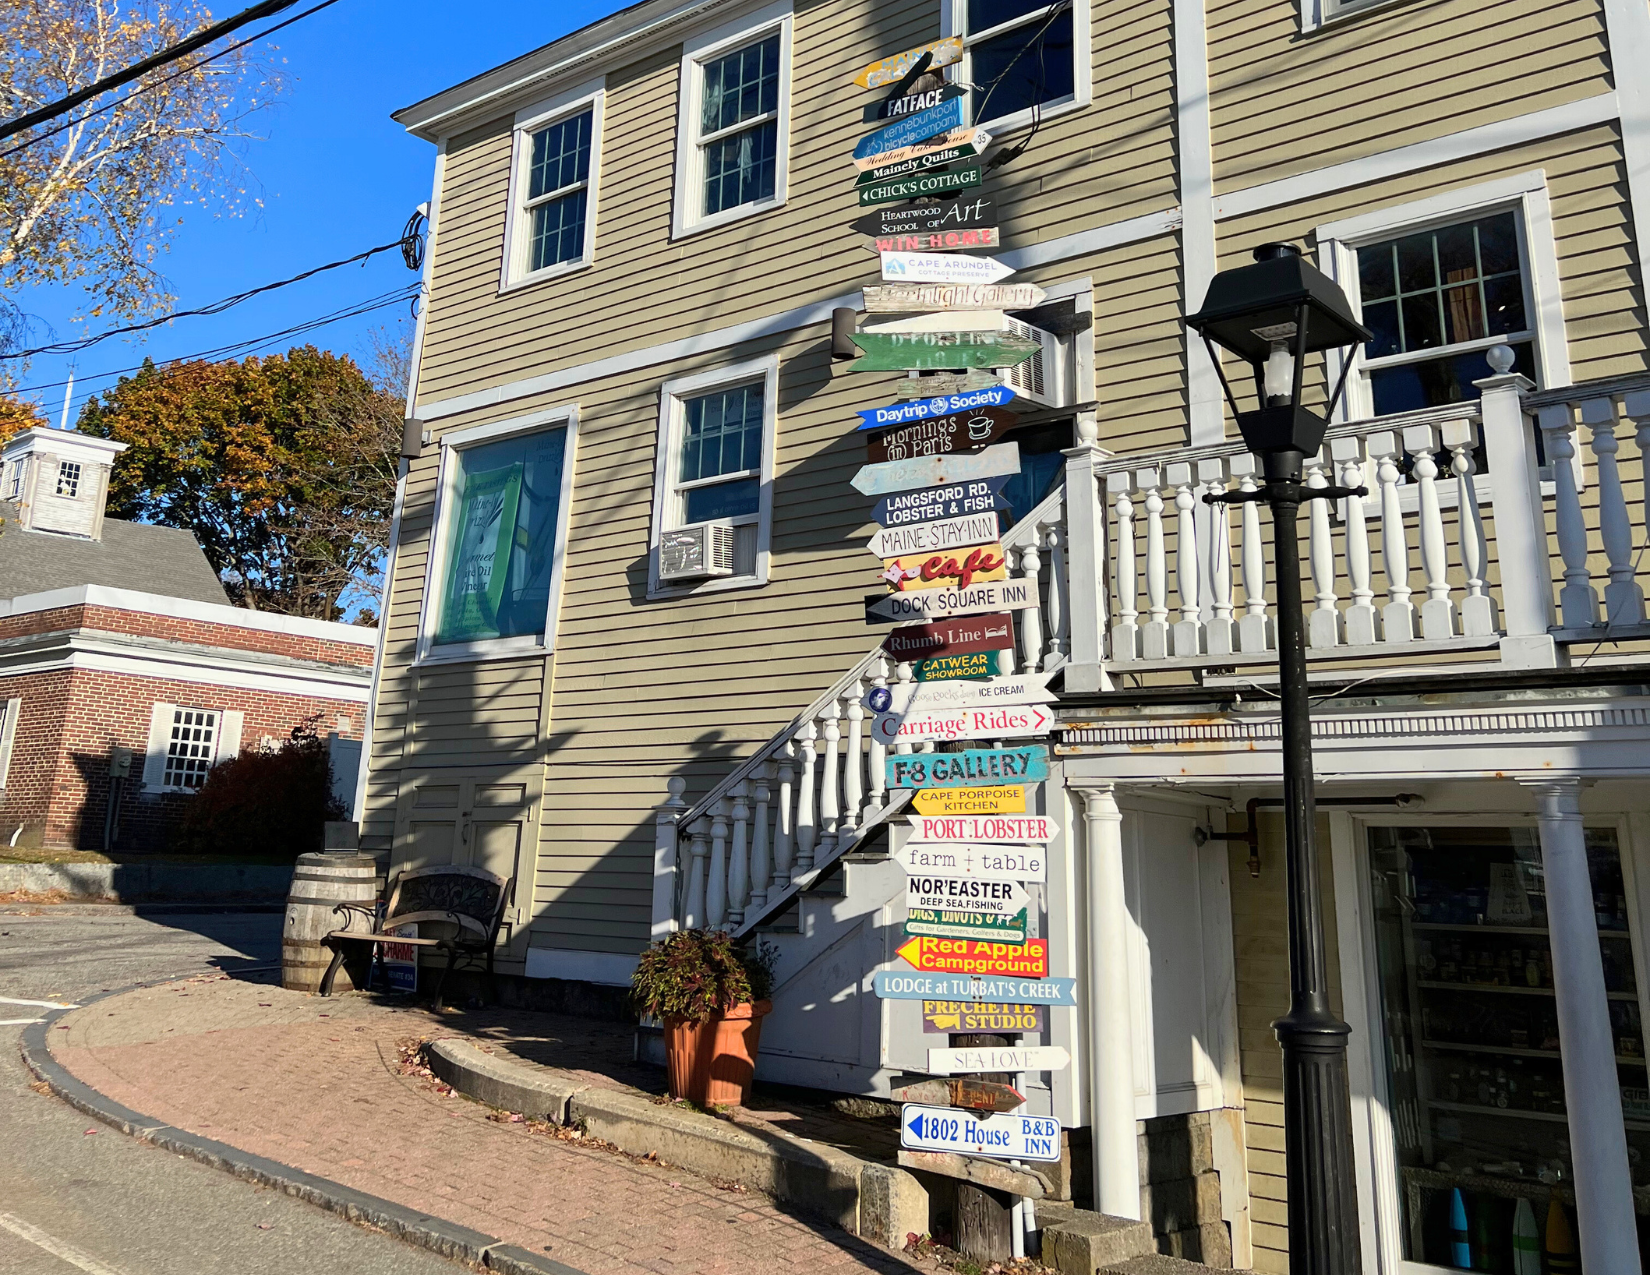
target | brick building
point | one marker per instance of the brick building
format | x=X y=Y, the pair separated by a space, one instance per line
x=118 y=636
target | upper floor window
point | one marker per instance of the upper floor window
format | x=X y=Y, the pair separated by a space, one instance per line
x=14 y=479
x=731 y=153
x=1020 y=57
x=557 y=154
x=68 y=478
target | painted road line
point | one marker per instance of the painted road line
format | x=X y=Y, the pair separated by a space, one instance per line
x=19 y=1022
x=57 y=1248
x=12 y=1000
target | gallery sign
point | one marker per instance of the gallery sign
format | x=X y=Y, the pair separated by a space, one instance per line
x=951 y=637
x=924 y=219
x=940 y=351
x=935 y=404
x=945 y=182
x=967 y=1016
x=952 y=770
x=896 y=476
x=942 y=435
x=963 y=956
x=932 y=604
x=1016 y=829
x=892 y=70
x=899 y=298
x=933 y=537
x=924 y=267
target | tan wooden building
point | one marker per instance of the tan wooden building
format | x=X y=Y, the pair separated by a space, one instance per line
x=624 y=647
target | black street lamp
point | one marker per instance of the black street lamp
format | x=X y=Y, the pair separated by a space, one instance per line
x=1272 y=315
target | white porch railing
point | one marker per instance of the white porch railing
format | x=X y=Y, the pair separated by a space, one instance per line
x=818 y=787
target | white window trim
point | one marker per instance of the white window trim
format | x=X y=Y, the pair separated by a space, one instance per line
x=954 y=21
x=671 y=395
x=10 y=711
x=1317 y=14
x=591 y=96
x=707 y=47
x=1525 y=193
x=565 y=416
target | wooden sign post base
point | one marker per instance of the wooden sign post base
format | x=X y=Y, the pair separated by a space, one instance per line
x=984 y=1215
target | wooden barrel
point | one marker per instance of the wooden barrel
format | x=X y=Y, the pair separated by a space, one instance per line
x=319 y=884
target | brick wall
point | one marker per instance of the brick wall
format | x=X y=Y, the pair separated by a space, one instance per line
x=58 y=787
x=195 y=632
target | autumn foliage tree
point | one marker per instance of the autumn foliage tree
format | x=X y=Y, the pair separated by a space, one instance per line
x=284 y=467
x=17 y=416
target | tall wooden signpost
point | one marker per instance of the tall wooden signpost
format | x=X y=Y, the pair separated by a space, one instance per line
x=975 y=857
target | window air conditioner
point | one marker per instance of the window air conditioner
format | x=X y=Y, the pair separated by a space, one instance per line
x=697 y=551
x=1042 y=377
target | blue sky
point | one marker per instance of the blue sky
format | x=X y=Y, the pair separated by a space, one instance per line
x=335 y=173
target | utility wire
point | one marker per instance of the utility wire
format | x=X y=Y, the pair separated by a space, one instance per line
x=165 y=79
x=265 y=9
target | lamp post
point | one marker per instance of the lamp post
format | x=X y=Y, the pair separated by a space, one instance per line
x=1272 y=314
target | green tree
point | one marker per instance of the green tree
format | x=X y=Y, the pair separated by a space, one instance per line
x=284 y=467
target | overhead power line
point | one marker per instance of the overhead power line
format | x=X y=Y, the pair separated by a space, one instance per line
x=171 y=53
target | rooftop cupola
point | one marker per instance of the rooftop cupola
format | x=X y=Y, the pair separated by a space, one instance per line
x=58 y=480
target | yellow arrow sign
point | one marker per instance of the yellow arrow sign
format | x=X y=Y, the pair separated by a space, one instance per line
x=1000 y=799
x=888 y=70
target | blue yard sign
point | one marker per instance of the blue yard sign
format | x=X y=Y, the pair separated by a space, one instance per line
x=927 y=409
x=898 y=985
x=913 y=129
x=1000 y=1134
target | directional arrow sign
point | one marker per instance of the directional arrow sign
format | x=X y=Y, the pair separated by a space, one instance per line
x=896 y=985
x=955 y=214
x=891 y=70
x=997 y=800
x=971 y=766
x=933 y=537
x=1000 y=721
x=1020 y=688
x=900 y=298
x=912 y=129
x=977 y=496
x=945 y=182
x=964 y=1016
x=968 y=895
x=899 y=107
x=972 y=239
x=950 y=637
x=964 y=956
x=927 y=267
x=934 y=604
x=948 y=1062
x=949 y=668
x=937 y=152
x=957 y=923
x=942 y=436
x=934 y=405
x=956 y=569
x=934 y=471
x=940 y=351
x=983 y=861
x=985 y=1095
x=1003 y=1136
x=932 y=383
x=1014 y=829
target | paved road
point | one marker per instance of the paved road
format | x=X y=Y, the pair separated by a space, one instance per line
x=76 y=1196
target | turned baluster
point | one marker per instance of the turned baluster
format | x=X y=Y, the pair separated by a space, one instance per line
x=761 y=857
x=853 y=761
x=1623 y=599
x=1187 y=635
x=693 y=909
x=1058 y=617
x=1324 y=624
x=876 y=752
x=1398 y=615
x=1255 y=628
x=1125 y=634
x=830 y=782
x=1363 y=622
x=1578 y=601
x=807 y=812
x=1478 y=610
x=716 y=884
x=1218 y=634
x=739 y=856
x=784 y=839
x=1031 y=621
x=1154 y=634
x=1438 y=611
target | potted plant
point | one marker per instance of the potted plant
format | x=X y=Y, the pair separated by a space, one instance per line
x=711 y=997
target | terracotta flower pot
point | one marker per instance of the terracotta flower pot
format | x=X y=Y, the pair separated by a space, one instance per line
x=713 y=1063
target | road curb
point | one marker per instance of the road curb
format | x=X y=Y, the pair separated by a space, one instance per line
x=448 y=1239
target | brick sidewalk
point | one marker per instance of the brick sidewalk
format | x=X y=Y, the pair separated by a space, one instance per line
x=316 y=1084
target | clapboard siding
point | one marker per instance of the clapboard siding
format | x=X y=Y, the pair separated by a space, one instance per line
x=1283 y=105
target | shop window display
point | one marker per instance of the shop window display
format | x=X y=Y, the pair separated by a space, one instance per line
x=1474 y=1075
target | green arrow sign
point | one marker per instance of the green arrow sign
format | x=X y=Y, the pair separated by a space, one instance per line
x=935 y=351
x=941 y=183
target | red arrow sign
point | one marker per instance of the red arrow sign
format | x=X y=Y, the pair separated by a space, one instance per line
x=970 y=956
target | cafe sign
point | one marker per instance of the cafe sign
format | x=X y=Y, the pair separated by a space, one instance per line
x=944 y=570
x=942 y=435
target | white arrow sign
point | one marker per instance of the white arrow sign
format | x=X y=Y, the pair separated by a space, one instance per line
x=968 y=1062
x=980 y=862
x=1013 y=829
x=934 y=537
x=999 y=721
x=969 y=895
x=936 y=604
x=941 y=267
x=1005 y=1136
x=1018 y=688
x=933 y=471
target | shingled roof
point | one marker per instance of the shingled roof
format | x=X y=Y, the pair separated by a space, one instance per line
x=131 y=555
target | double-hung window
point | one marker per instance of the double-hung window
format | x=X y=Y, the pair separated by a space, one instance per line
x=553 y=222
x=716 y=465
x=734 y=124
x=501 y=537
x=68 y=478
x=1020 y=57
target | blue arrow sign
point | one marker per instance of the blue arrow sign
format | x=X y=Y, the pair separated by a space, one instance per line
x=913 y=129
x=976 y=496
x=927 y=409
x=971 y=766
x=1006 y=1135
x=895 y=985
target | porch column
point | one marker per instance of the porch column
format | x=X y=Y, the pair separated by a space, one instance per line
x=1598 y=1140
x=1086 y=559
x=1111 y=1037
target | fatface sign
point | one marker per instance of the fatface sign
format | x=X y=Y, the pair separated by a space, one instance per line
x=894 y=985
x=1000 y=721
x=977 y=496
x=1001 y=799
x=912 y=129
x=922 y=267
x=951 y=637
x=933 y=537
x=939 y=351
x=987 y=1058
x=894 y=69
x=933 y=604
x=945 y=668
x=946 y=182
x=936 y=471
x=941 y=240
x=899 y=107
x=946 y=570
x=927 y=219
x=985 y=862
x=963 y=1016
x=1011 y=829
x=935 y=404
x=899 y=298
x=959 y=956
x=972 y=766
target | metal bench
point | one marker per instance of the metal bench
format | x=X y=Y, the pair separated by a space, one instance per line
x=465 y=906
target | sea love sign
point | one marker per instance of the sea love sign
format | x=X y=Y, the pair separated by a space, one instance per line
x=934 y=537
x=932 y=408
x=1005 y=721
x=1010 y=829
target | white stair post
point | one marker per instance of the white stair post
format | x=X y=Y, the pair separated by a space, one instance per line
x=1478 y=614
x=1363 y=622
x=666 y=851
x=1125 y=634
x=830 y=780
x=784 y=837
x=1255 y=628
x=1154 y=636
x=1437 y=612
x=876 y=754
x=1323 y=626
x=1623 y=599
x=1577 y=600
x=1219 y=634
x=1398 y=615
x=761 y=856
x=853 y=761
x=807 y=814
x=716 y=884
x=1085 y=519
x=1187 y=635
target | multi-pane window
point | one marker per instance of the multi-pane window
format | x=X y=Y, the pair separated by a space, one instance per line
x=1021 y=54
x=1436 y=300
x=68 y=478
x=558 y=191
x=739 y=126
x=720 y=471
x=190 y=747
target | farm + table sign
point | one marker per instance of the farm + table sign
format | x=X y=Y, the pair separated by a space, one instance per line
x=923 y=219
x=978 y=1058
x=944 y=571
x=892 y=70
x=955 y=770
x=936 y=152
x=1012 y=829
x=976 y=496
x=894 y=476
x=951 y=637
x=953 y=923
x=933 y=537
x=945 y=182
x=900 y=985
x=926 y=267
x=935 y=404
x=939 y=351
x=912 y=129
x=985 y=862
x=899 y=107
x=945 y=668
x=930 y=604
x=1000 y=721
x=961 y=956
x=899 y=298
x=964 y=1016
x=1002 y=799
